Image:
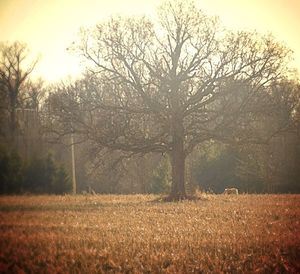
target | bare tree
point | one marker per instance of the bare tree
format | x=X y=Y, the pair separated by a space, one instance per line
x=169 y=86
x=34 y=94
x=13 y=76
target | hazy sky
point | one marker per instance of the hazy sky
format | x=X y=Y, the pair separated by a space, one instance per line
x=50 y=26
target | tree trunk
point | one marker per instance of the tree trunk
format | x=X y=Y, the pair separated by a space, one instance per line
x=178 y=163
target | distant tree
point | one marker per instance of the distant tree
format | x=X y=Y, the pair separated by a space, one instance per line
x=33 y=95
x=30 y=135
x=11 y=171
x=61 y=183
x=281 y=157
x=159 y=182
x=34 y=180
x=215 y=168
x=163 y=86
x=44 y=175
x=270 y=166
x=13 y=75
x=225 y=166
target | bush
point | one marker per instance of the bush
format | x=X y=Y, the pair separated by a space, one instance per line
x=39 y=175
x=44 y=176
x=11 y=172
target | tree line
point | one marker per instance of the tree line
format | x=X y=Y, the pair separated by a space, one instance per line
x=189 y=102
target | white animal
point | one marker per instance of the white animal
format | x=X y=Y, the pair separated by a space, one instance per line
x=233 y=191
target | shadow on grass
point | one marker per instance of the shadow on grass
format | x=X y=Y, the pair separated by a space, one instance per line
x=89 y=206
x=55 y=207
x=188 y=198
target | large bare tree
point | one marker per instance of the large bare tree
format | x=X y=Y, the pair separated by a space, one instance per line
x=170 y=85
x=14 y=72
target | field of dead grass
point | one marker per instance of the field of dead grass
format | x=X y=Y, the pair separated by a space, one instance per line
x=139 y=234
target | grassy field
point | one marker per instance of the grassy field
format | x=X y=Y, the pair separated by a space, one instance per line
x=139 y=234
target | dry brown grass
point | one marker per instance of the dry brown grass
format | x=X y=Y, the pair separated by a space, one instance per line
x=133 y=234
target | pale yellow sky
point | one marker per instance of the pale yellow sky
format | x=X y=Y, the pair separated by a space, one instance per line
x=50 y=26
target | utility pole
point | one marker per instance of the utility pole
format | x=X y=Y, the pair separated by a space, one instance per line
x=73 y=165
